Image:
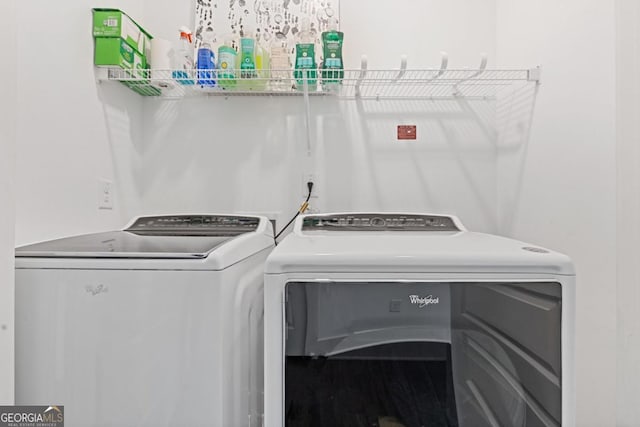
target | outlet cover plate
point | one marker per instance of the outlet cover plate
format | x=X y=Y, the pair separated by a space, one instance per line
x=309 y=177
x=105 y=194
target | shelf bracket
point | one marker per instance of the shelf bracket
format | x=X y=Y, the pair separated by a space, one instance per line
x=534 y=74
x=101 y=74
x=481 y=69
x=363 y=74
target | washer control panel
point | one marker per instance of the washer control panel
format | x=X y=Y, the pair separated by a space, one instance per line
x=193 y=224
x=378 y=222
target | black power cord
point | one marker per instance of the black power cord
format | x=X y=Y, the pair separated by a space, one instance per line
x=303 y=208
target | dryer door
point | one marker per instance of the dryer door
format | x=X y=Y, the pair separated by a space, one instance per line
x=422 y=354
x=507 y=353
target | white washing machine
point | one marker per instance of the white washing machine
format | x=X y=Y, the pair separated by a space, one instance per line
x=411 y=320
x=159 y=324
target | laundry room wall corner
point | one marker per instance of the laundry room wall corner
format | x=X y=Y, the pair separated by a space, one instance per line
x=628 y=203
x=8 y=75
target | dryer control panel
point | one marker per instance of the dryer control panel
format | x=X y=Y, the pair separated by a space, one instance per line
x=378 y=222
x=193 y=224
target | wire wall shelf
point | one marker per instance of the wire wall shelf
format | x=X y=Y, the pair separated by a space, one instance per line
x=442 y=83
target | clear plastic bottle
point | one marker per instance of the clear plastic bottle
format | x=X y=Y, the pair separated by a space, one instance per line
x=183 y=58
x=306 y=66
x=280 y=65
x=262 y=67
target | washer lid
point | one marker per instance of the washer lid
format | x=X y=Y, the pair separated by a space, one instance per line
x=123 y=244
x=405 y=243
x=176 y=236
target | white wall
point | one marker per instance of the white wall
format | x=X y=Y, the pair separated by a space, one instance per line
x=202 y=156
x=383 y=30
x=628 y=126
x=7 y=197
x=562 y=194
x=249 y=154
x=71 y=132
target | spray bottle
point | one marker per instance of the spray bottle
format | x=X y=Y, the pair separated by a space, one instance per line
x=183 y=58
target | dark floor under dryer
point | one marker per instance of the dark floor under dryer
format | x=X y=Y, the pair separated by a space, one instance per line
x=406 y=384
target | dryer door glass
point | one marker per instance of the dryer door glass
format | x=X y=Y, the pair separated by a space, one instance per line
x=422 y=354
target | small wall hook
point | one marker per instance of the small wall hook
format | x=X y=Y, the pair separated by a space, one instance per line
x=444 y=63
x=363 y=73
x=483 y=67
x=403 y=68
x=483 y=63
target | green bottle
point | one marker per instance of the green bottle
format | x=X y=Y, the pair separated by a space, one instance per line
x=306 y=58
x=332 y=66
x=247 y=58
x=227 y=58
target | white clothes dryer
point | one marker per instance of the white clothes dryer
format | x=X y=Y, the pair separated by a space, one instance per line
x=379 y=319
x=159 y=324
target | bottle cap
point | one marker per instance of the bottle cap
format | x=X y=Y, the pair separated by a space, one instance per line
x=333 y=24
x=247 y=31
x=208 y=37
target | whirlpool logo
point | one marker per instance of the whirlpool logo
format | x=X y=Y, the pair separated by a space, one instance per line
x=96 y=290
x=423 y=302
x=32 y=416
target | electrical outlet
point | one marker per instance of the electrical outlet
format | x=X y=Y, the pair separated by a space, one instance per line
x=310 y=177
x=105 y=194
x=407 y=132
